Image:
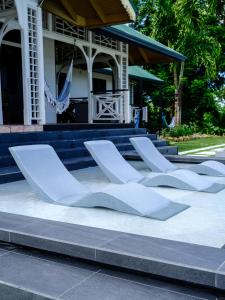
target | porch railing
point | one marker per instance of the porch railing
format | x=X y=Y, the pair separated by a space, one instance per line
x=6 y=4
x=108 y=106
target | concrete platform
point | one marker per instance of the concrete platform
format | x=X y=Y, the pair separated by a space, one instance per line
x=187 y=247
x=198 y=224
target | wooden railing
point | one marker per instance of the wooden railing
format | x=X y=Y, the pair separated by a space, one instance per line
x=108 y=106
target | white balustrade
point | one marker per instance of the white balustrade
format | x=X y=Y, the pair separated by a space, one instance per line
x=108 y=107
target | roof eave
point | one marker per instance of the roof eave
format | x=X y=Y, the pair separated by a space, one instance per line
x=134 y=40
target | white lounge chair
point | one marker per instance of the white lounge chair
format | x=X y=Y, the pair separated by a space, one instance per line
x=118 y=170
x=158 y=163
x=49 y=178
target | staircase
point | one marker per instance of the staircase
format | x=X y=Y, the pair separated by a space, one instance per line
x=69 y=146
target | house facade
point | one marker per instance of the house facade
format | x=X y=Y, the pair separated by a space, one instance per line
x=37 y=46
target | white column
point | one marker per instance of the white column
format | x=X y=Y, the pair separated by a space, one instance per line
x=22 y=17
x=90 y=80
x=90 y=87
x=127 y=118
x=41 y=67
x=127 y=107
x=30 y=20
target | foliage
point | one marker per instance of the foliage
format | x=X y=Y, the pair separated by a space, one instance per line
x=180 y=130
x=208 y=125
x=196 y=29
x=153 y=117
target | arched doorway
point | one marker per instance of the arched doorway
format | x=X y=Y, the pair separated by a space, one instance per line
x=77 y=111
x=107 y=98
x=105 y=73
x=11 y=78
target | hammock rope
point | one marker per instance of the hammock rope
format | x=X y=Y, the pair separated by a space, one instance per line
x=165 y=124
x=62 y=101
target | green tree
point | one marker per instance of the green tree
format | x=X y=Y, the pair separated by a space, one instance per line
x=194 y=28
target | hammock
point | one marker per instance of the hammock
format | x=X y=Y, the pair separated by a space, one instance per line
x=61 y=102
x=137 y=118
x=165 y=124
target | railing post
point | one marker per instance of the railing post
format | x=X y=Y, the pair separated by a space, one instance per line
x=126 y=107
x=121 y=104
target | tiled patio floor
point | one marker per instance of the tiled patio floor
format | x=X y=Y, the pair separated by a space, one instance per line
x=203 y=223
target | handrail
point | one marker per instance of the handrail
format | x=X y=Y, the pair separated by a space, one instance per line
x=110 y=91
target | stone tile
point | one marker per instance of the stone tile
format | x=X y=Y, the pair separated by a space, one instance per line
x=4 y=129
x=169 y=250
x=14 y=222
x=161 y=268
x=38 y=127
x=59 y=258
x=182 y=261
x=101 y=286
x=220 y=277
x=4 y=235
x=29 y=128
x=16 y=128
x=146 y=279
x=40 y=275
x=4 y=248
x=65 y=238
x=52 y=245
x=10 y=292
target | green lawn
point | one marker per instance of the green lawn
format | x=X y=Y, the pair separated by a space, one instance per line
x=199 y=143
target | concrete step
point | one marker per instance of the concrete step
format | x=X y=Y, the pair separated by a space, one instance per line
x=65 y=135
x=183 y=262
x=172 y=150
x=12 y=173
x=28 y=274
x=71 y=143
x=69 y=146
x=82 y=126
x=77 y=149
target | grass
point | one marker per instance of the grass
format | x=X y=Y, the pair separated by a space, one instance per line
x=199 y=143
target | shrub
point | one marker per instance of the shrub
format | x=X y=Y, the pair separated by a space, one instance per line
x=208 y=126
x=180 y=130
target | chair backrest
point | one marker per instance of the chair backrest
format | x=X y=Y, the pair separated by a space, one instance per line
x=151 y=156
x=111 y=162
x=45 y=172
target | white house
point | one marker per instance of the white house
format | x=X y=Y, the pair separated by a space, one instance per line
x=38 y=40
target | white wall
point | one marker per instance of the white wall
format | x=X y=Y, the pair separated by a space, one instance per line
x=80 y=83
x=49 y=67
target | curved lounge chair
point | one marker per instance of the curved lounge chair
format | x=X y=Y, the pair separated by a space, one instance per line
x=118 y=170
x=158 y=163
x=49 y=178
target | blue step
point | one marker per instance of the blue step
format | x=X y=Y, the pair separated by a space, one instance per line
x=65 y=135
x=69 y=146
x=58 y=144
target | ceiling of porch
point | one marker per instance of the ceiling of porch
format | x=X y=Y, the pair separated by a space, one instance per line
x=92 y=13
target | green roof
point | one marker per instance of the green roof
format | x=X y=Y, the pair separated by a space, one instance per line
x=133 y=36
x=140 y=73
x=135 y=72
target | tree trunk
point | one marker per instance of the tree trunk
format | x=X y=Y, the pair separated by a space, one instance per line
x=178 y=92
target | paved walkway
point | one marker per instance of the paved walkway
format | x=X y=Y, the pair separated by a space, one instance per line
x=205 y=151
